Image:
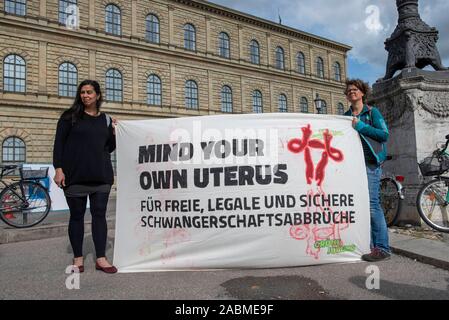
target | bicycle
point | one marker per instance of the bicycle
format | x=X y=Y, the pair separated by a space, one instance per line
x=24 y=203
x=391 y=196
x=433 y=197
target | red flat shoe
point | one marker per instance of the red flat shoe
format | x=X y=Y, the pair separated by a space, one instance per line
x=105 y=269
x=74 y=266
x=80 y=269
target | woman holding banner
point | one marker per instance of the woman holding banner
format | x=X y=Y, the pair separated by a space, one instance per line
x=373 y=131
x=85 y=137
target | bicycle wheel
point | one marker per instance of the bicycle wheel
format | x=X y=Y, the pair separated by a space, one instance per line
x=16 y=213
x=432 y=204
x=390 y=200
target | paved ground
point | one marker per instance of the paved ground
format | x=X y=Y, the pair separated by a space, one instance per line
x=33 y=262
x=36 y=270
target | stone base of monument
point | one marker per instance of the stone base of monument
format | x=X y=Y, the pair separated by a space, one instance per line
x=415 y=105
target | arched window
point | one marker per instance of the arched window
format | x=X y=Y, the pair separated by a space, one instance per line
x=257 y=102
x=280 y=58
x=224 y=45
x=65 y=10
x=17 y=7
x=114 y=87
x=254 y=52
x=340 y=108
x=319 y=67
x=337 y=71
x=152 y=28
x=191 y=94
x=282 y=103
x=303 y=105
x=14 y=73
x=226 y=99
x=67 y=79
x=323 y=109
x=113 y=20
x=13 y=150
x=189 y=37
x=301 y=62
x=154 y=90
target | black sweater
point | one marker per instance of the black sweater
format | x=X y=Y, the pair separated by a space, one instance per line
x=83 y=150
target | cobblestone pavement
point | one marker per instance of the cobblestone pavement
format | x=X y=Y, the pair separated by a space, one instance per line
x=421 y=232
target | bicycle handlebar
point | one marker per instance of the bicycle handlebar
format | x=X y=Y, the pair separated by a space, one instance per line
x=8 y=166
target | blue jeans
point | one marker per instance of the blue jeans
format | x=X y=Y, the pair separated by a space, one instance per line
x=379 y=230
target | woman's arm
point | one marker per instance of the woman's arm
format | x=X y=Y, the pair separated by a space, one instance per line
x=378 y=131
x=62 y=131
x=111 y=140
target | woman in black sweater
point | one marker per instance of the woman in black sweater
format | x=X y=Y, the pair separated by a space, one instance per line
x=85 y=137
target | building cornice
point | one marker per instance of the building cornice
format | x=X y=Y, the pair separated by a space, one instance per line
x=128 y=44
x=262 y=23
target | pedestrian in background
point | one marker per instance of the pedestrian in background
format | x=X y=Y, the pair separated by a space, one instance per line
x=85 y=137
x=373 y=131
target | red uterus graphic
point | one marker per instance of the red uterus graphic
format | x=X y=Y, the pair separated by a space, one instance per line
x=312 y=233
x=297 y=145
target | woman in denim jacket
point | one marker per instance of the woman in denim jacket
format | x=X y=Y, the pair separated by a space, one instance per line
x=373 y=131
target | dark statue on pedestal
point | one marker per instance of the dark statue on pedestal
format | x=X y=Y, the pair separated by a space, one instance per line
x=413 y=42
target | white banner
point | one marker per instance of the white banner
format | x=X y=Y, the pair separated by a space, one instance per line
x=239 y=191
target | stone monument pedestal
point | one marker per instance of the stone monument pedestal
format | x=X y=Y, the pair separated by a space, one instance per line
x=415 y=105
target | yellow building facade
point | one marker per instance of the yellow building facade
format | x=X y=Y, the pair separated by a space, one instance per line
x=153 y=59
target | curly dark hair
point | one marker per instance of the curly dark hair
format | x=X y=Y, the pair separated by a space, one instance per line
x=361 y=85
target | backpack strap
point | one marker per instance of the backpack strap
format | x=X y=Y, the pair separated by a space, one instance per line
x=370 y=109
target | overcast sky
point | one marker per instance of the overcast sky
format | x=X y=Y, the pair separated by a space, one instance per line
x=362 y=24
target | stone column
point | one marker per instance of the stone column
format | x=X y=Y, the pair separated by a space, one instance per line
x=210 y=93
x=269 y=62
x=415 y=105
x=292 y=107
x=332 y=106
x=171 y=40
x=92 y=66
x=312 y=102
x=291 y=55
x=43 y=12
x=208 y=40
x=312 y=62
x=42 y=89
x=134 y=20
x=242 y=92
x=135 y=62
x=241 y=46
x=92 y=20
x=173 y=102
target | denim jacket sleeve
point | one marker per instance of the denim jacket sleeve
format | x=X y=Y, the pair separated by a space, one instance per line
x=378 y=131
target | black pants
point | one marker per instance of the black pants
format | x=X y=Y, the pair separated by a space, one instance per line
x=77 y=206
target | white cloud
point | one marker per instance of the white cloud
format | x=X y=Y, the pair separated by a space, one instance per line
x=362 y=24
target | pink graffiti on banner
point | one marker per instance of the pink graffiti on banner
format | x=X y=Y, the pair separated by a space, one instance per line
x=312 y=233
x=170 y=238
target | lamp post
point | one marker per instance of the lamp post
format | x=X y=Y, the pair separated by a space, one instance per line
x=318 y=103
